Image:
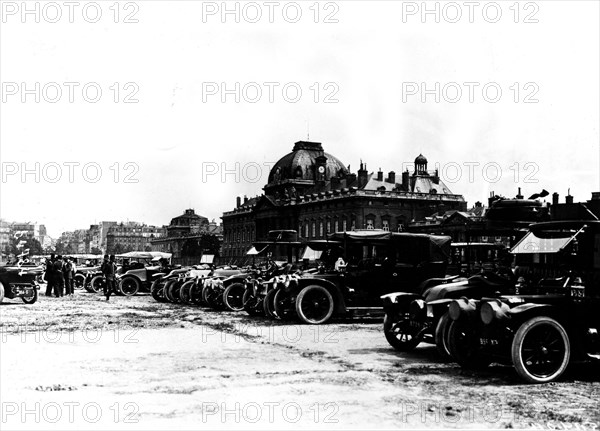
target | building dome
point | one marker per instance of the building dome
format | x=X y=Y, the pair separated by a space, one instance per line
x=421 y=160
x=302 y=162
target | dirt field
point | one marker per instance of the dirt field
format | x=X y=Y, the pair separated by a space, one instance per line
x=133 y=363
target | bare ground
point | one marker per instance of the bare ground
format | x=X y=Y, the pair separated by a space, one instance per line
x=132 y=363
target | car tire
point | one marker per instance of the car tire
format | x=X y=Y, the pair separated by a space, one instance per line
x=233 y=297
x=1 y=292
x=157 y=291
x=167 y=290
x=79 y=281
x=463 y=345
x=250 y=304
x=31 y=299
x=284 y=306
x=174 y=291
x=548 y=350
x=129 y=286
x=314 y=305
x=196 y=293
x=97 y=284
x=269 y=305
x=402 y=336
x=185 y=293
x=441 y=336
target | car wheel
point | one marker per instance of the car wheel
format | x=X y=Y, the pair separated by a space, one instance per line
x=251 y=304
x=233 y=297
x=284 y=305
x=157 y=290
x=129 y=286
x=174 y=291
x=32 y=298
x=441 y=335
x=196 y=293
x=463 y=345
x=79 y=281
x=205 y=290
x=167 y=290
x=268 y=304
x=1 y=292
x=541 y=350
x=403 y=335
x=185 y=293
x=314 y=305
x=97 y=284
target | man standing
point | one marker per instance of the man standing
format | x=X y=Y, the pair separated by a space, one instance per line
x=49 y=275
x=108 y=270
x=59 y=278
x=68 y=276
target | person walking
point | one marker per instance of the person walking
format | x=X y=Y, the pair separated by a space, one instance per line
x=59 y=277
x=49 y=275
x=68 y=276
x=108 y=269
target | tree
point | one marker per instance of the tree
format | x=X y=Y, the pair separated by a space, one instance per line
x=95 y=250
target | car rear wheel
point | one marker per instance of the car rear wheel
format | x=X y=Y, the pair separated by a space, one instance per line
x=463 y=345
x=97 y=284
x=268 y=304
x=541 y=350
x=174 y=291
x=250 y=304
x=441 y=335
x=157 y=291
x=79 y=281
x=129 y=286
x=284 y=305
x=233 y=297
x=314 y=305
x=32 y=297
x=185 y=293
x=167 y=290
x=402 y=334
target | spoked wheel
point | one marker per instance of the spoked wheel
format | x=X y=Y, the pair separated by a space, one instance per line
x=31 y=296
x=167 y=290
x=185 y=293
x=284 y=305
x=403 y=334
x=79 y=281
x=97 y=284
x=1 y=292
x=268 y=304
x=251 y=305
x=314 y=305
x=157 y=291
x=463 y=345
x=441 y=335
x=212 y=297
x=129 y=286
x=541 y=350
x=233 y=297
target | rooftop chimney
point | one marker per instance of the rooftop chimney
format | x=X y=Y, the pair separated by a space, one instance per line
x=596 y=196
x=391 y=177
x=519 y=196
x=245 y=199
x=569 y=199
x=554 y=198
x=238 y=201
x=363 y=175
x=379 y=175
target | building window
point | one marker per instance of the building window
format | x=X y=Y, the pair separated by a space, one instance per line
x=370 y=223
x=314 y=229
x=353 y=223
x=306 y=230
x=344 y=225
x=320 y=229
x=385 y=224
x=328 y=230
x=335 y=225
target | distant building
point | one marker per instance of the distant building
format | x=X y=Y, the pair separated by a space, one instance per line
x=130 y=236
x=189 y=237
x=313 y=192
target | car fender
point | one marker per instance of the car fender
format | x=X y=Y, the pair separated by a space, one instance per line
x=398 y=300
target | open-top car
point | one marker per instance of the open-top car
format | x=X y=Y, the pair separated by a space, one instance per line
x=19 y=282
x=550 y=318
x=358 y=268
x=136 y=276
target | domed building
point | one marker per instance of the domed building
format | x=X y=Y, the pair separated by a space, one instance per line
x=314 y=193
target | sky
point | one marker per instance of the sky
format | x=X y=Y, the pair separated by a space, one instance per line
x=138 y=110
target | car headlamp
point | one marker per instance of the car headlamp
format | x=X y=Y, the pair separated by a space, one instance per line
x=493 y=310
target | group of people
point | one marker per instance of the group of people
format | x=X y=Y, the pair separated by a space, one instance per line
x=60 y=276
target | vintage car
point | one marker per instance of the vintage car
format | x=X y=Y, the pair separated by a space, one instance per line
x=551 y=317
x=378 y=262
x=217 y=282
x=139 y=276
x=412 y=318
x=19 y=282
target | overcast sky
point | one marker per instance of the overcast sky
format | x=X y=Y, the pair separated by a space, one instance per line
x=372 y=64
